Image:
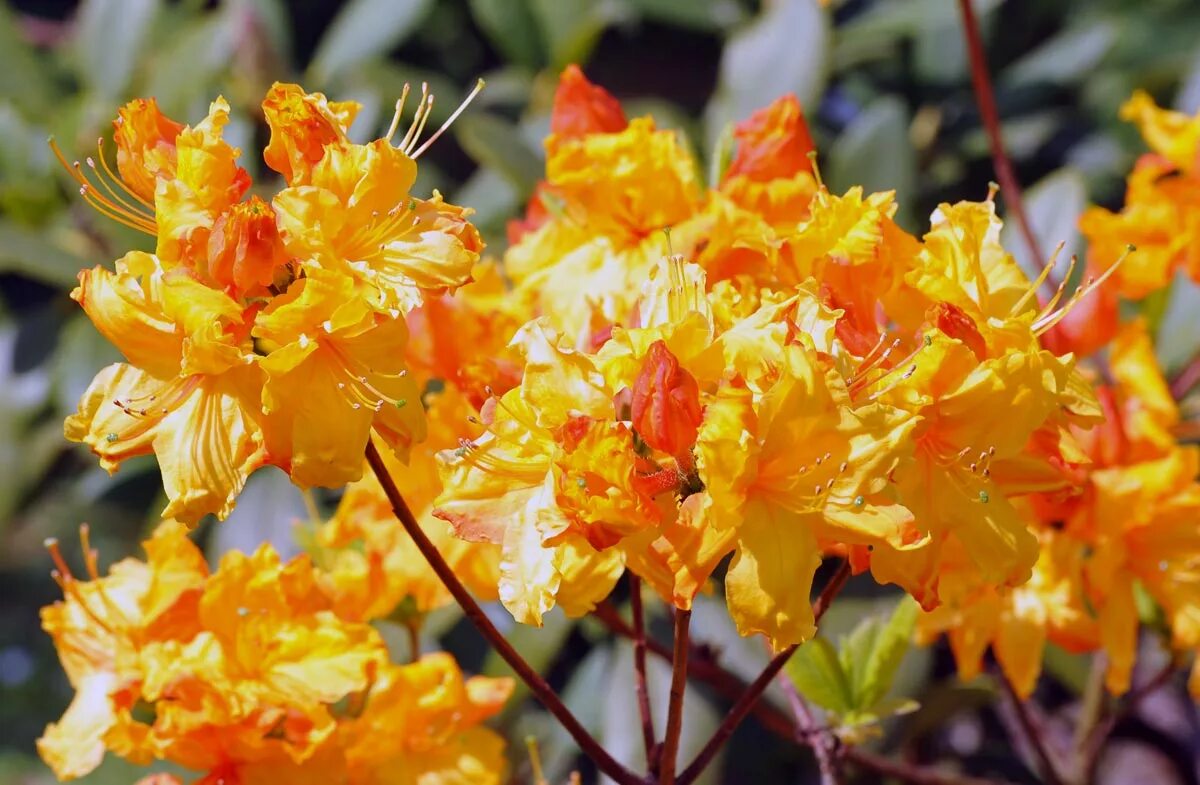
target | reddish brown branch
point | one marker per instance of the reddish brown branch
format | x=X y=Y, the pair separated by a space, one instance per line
x=749 y=698
x=679 y=658
x=639 y=669
x=985 y=99
x=1034 y=734
x=537 y=685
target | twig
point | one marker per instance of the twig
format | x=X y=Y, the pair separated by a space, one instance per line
x=809 y=734
x=1090 y=757
x=670 y=747
x=906 y=772
x=702 y=668
x=544 y=693
x=1033 y=734
x=985 y=99
x=1187 y=378
x=750 y=697
x=639 y=668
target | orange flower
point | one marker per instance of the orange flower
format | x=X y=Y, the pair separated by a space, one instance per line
x=145 y=140
x=302 y=126
x=582 y=108
x=666 y=403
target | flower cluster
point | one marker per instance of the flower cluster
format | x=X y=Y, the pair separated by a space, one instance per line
x=1123 y=548
x=814 y=380
x=1161 y=215
x=249 y=675
x=262 y=331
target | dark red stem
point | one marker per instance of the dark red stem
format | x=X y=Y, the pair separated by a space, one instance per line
x=537 y=685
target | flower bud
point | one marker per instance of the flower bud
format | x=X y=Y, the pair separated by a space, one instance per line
x=954 y=322
x=244 y=249
x=666 y=403
x=581 y=107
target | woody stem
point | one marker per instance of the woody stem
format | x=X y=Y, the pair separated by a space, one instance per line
x=639 y=667
x=537 y=685
x=750 y=697
x=670 y=748
x=985 y=99
x=1032 y=732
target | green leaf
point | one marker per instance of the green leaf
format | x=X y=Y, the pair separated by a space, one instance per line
x=32 y=254
x=511 y=27
x=494 y=142
x=872 y=34
x=570 y=28
x=365 y=29
x=874 y=152
x=713 y=15
x=818 y=675
x=24 y=79
x=109 y=36
x=785 y=50
x=873 y=679
x=1053 y=206
x=1068 y=57
x=181 y=74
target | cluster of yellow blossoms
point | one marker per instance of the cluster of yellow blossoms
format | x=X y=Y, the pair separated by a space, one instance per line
x=657 y=375
x=262 y=332
x=251 y=675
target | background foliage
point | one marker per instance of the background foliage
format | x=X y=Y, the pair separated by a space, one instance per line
x=886 y=88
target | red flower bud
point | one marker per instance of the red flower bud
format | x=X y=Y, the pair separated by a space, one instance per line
x=954 y=322
x=244 y=249
x=582 y=108
x=666 y=403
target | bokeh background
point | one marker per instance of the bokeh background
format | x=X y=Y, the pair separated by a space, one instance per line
x=886 y=88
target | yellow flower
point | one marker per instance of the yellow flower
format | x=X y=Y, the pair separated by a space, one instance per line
x=302 y=126
x=334 y=361
x=1173 y=135
x=356 y=217
x=99 y=628
x=800 y=466
x=422 y=726
x=369 y=565
x=189 y=393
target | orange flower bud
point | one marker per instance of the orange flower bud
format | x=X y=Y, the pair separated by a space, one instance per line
x=145 y=140
x=772 y=143
x=582 y=108
x=954 y=322
x=302 y=124
x=666 y=403
x=244 y=249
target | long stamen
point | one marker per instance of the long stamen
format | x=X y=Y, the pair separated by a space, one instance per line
x=116 y=178
x=119 y=211
x=408 y=137
x=420 y=125
x=1059 y=291
x=479 y=85
x=1032 y=291
x=1048 y=320
x=399 y=111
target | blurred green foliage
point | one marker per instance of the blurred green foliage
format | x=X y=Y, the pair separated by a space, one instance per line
x=886 y=87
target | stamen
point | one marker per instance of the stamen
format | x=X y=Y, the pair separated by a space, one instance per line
x=407 y=141
x=120 y=210
x=1048 y=320
x=479 y=85
x=1032 y=291
x=399 y=112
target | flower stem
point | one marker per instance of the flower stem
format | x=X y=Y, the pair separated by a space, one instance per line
x=639 y=667
x=670 y=748
x=750 y=697
x=985 y=99
x=1034 y=735
x=537 y=685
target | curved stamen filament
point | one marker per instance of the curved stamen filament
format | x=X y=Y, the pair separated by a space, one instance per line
x=479 y=85
x=120 y=210
x=423 y=105
x=1032 y=291
x=1047 y=319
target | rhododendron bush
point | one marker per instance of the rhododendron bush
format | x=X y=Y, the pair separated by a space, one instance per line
x=692 y=387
